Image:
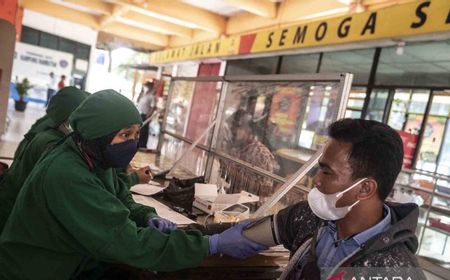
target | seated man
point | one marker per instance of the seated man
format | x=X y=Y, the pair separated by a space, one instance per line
x=346 y=221
x=244 y=145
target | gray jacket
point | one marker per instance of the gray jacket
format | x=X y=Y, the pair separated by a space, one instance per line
x=390 y=253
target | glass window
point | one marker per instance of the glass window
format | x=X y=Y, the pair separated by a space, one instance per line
x=48 y=41
x=30 y=35
x=66 y=45
x=187 y=69
x=357 y=62
x=444 y=157
x=377 y=103
x=434 y=133
x=422 y=64
x=192 y=108
x=303 y=63
x=83 y=52
x=266 y=65
x=355 y=102
x=407 y=110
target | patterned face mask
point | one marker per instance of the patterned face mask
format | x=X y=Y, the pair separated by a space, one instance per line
x=324 y=205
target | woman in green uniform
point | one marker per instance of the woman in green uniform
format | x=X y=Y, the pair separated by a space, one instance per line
x=73 y=212
x=42 y=136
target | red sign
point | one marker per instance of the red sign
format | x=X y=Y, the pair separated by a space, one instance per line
x=409 y=147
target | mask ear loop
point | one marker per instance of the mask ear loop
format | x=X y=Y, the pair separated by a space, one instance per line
x=349 y=188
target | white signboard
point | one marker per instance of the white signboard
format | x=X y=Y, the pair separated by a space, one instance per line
x=36 y=63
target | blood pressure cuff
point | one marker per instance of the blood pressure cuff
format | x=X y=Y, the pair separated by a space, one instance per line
x=180 y=192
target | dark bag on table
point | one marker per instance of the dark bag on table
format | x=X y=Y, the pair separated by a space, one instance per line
x=180 y=192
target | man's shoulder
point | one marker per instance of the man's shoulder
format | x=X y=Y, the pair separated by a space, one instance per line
x=396 y=255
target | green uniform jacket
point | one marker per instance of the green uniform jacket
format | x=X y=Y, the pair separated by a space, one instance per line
x=12 y=182
x=41 y=124
x=67 y=216
x=20 y=169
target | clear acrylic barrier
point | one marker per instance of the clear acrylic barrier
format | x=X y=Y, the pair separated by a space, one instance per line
x=192 y=107
x=269 y=133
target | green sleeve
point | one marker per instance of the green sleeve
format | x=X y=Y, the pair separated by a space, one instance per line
x=99 y=226
x=139 y=213
x=129 y=179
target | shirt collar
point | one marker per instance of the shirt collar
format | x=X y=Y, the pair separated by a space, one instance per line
x=363 y=236
x=383 y=225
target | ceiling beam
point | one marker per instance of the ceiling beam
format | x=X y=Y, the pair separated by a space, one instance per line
x=135 y=33
x=61 y=12
x=289 y=12
x=117 y=11
x=179 y=13
x=94 y=5
x=257 y=7
x=294 y=10
x=110 y=41
x=197 y=36
x=157 y=25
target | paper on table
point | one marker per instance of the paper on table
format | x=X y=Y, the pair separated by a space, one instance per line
x=146 y=189
x=162 y=210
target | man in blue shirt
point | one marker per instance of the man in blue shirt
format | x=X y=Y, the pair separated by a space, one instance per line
x=346 y=226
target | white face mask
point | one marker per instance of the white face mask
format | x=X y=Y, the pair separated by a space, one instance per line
x=324 y=205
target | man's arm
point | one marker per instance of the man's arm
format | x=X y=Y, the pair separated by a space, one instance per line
x=295 y=224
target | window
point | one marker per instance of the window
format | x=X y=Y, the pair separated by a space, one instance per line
x=355 y=102
x=420 y=64
x=48 y=41
x=432 y=148
x=303 y=63
x=66 y=45
x=377 y=104
x=358 y=62
x=83 y=52
x=30 y=36
x=267 y=65
x=407 y=110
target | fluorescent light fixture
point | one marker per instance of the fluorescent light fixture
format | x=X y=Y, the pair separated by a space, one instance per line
x=400 y=48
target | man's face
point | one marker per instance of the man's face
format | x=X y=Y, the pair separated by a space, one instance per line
x=335 y=172
x=240 y=135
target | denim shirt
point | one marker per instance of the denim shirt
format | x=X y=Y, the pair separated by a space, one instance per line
x=330 y=251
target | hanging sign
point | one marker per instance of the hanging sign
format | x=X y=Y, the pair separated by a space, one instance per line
x=397 y=21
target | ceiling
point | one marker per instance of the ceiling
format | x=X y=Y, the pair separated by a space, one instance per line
x=160 y=24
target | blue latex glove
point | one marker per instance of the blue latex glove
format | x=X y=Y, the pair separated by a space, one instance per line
x=161 y=224
x=232 y=243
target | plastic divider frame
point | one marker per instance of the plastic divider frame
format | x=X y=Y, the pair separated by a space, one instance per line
x=344 y=80
x=344 y=91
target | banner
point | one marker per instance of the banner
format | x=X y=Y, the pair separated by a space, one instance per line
x=36 y=63
x=421 y=17
x=409 y=147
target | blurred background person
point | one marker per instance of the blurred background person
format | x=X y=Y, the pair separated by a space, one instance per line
x=51 y=87
x=243 y=144
x=146 y=105
x=62 y=82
